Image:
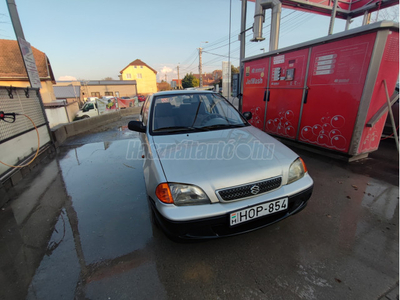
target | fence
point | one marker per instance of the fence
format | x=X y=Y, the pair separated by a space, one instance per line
x=19 y=140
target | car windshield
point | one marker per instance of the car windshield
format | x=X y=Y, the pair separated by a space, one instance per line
x=88 y=106
x=194 y=112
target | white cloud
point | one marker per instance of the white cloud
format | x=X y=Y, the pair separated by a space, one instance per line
x=165 y=69
x=67 y=78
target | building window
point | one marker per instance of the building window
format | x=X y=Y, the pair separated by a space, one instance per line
x=128 y=76
x=95 y=94
x=139 y=75
x=135 y=67
x=109 y=93
x=141 y=67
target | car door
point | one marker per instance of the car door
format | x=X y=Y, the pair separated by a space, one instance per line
x=92 y=109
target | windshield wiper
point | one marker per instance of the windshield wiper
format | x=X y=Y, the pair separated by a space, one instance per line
x=180 y=128
x=224 y=126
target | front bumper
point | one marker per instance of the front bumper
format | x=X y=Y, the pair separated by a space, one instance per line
x=215 y=227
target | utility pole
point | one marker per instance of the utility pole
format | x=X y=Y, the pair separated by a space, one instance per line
x=201 y=65
x=179 y=81
x=200 y=68
x=165 y=77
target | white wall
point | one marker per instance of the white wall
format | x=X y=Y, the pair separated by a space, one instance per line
x=20 y=147
x=56 y=116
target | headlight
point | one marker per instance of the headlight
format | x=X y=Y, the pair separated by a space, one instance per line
x=297 y=170
x=181 y=194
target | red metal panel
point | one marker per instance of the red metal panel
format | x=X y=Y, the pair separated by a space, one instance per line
x=354 y=7
x=388 y=70
x=255 y=82
x=336 y=80
x=286 y=92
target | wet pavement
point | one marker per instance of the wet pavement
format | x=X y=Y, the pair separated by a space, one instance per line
x=79 y=228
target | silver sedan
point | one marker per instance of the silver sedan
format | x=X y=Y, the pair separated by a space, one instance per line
x=209 y=173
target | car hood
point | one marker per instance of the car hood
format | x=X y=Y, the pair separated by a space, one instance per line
x=222 y=158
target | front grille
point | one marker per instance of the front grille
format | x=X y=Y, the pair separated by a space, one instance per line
x=244 y=191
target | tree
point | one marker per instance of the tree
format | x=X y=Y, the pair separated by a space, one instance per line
x=196 y=82
x=234 y=70
x=163 y=86
x=189 y=81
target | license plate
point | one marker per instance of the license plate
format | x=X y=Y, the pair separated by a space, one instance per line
x=258 y=211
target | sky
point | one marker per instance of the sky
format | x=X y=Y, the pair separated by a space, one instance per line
x=95 y=39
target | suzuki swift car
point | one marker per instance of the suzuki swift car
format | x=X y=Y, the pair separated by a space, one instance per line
x=209 y=173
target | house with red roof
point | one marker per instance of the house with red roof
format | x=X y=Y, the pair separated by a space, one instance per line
x=145 y=76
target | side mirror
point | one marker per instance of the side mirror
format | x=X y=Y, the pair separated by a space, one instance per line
x=247 y=115
x=136 y=126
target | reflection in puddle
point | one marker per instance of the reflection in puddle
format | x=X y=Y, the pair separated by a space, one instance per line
x=109 y=198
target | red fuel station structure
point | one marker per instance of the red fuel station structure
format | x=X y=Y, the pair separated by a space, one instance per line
x=331 y=93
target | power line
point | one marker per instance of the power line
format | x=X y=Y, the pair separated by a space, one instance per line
x=286 y=26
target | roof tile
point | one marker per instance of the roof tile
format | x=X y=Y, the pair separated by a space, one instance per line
x=12 y=65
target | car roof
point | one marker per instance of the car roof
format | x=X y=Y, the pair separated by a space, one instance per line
x=182 y=92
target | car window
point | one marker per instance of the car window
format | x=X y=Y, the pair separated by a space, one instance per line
x=193 y=111
x=90 y=106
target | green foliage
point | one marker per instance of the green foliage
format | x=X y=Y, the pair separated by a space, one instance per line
x=234 y=70
x=189 y=81
x=196 y=82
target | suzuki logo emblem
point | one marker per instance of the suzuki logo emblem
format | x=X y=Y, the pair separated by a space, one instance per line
x=255 y=189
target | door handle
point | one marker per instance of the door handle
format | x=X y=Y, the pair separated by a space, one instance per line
x=305 y=96
x=266 y=96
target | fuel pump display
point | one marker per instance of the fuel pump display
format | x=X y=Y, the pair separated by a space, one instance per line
x=286 y=93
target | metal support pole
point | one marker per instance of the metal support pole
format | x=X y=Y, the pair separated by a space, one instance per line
x=258 y=22
x=275 y=24
x=44 y=115
x=242 y=51
x=12 y=8
x=367 y=18
x=396 y=138
x=333 y=17
x=348 y=22
x=66 y=110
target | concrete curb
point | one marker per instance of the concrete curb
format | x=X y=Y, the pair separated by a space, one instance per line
x=63 y=131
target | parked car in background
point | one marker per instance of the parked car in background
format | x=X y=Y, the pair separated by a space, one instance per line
x=209 y=173
x=88 y=110
x=141 y=98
